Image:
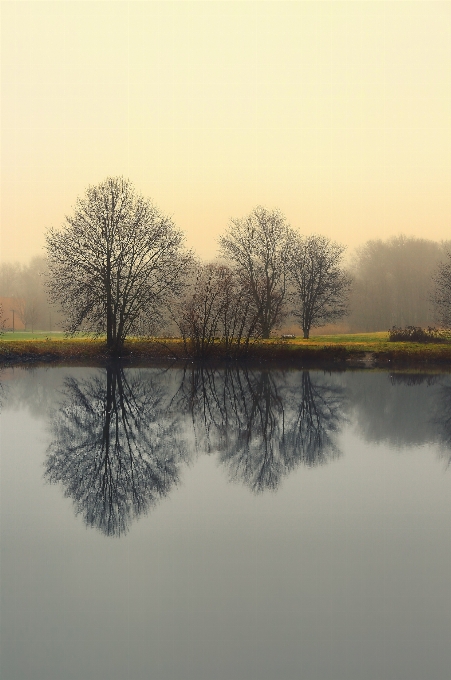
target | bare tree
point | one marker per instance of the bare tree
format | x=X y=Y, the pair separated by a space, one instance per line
x=114 y=262
x=441 y=297
x=215 y=307
x=199 y=313
x=258 y=246
x=28 y=310
x=320 y=284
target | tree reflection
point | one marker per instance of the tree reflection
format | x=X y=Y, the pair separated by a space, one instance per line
x=317 y=412
x=398 y=409
x=442 y=420
x=414 y=379
x=257 y=454
x=262 y=424
x=2 y=389
x=115 y=448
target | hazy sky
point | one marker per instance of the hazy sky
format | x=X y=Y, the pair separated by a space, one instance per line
x=338 y=113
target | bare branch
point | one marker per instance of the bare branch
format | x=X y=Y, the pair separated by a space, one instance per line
x=115 y=262
x=320 y=285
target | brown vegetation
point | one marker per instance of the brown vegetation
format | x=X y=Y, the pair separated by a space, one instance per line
x=355 y=351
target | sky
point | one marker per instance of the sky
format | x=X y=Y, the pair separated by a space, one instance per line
x=337 y=113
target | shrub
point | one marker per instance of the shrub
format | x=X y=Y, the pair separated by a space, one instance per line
x=418 y=334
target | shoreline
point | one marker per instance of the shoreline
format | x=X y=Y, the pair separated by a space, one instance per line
x=276 y=352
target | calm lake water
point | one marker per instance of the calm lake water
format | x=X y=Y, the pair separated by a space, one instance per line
x=188 y=524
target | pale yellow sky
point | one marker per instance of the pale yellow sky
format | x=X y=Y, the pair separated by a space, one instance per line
x=338 y=113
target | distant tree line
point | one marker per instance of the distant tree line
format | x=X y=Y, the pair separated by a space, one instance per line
x=118 y=267
x=23 y=287
x=394 y=284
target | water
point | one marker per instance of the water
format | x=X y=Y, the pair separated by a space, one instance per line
x=225 y=525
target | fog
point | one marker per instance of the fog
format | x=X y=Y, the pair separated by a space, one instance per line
x=22 y=288
x=393 y=283
x=392 y=286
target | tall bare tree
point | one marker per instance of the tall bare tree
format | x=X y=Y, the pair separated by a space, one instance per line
x=320 y=284
x=114 y=262
x=258 y=246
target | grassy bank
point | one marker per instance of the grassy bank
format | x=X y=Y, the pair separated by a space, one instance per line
x=368 y=349
x=9 y=336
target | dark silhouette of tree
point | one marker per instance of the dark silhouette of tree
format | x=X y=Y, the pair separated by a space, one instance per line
x=116 y=450
x=262 y=427
x=199 y=313
x=258 y=246
x=320 y=284
x=215 y=308
x=114 y=263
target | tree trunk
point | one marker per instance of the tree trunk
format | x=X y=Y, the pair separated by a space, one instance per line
x=266 y=331
x=109 y=330
x=306 y=333
x=110 y=339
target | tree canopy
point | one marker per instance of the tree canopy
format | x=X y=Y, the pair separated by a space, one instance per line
x=114 y=263
x=258 y=247
x=320 y=284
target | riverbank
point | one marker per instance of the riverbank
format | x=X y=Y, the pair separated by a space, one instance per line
x=359 y=350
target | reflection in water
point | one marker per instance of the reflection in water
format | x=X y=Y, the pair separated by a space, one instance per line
x=442 y=419
x=119 y=439
x=411 y=379
x=262 y=424
x=319 y=409
x=115 y=450
x=349 y=560
x=2 y=389
x=398 y=409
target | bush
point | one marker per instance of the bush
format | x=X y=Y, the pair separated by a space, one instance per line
x=418 y=334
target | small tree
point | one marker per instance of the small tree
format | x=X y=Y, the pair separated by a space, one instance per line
x=320 y=285
x=258 y=247
x=198 y=314
x=214 y=307
x=441 y=297
x=28 y=311
x=114 y=263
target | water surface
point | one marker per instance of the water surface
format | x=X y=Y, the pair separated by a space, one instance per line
x=225 y=524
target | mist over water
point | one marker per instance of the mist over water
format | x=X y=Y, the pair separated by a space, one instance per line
x=202 y=522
